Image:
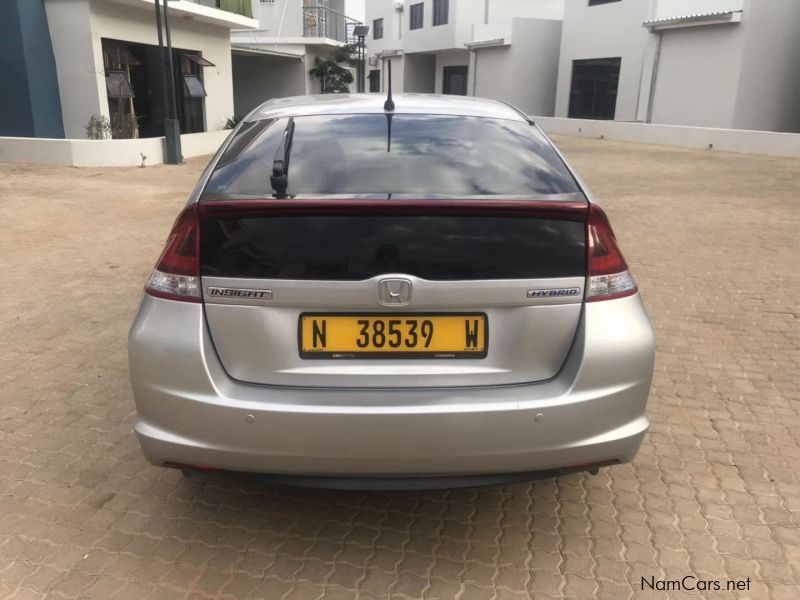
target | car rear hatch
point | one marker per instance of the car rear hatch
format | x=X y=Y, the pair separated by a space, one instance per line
x=517 y=267
x=341 y=282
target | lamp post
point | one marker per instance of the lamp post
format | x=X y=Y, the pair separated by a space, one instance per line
x=172 y=128
x=360 y=32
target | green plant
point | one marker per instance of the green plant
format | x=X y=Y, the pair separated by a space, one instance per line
x=232 y=122
x=98 y=128
x=332 y=72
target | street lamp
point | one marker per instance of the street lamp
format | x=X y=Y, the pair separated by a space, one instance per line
x=359 y=31
x=172 y=128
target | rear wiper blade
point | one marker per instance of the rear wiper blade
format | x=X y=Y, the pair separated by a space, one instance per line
x=280 y=165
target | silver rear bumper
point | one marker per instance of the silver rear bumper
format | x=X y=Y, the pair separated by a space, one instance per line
x=191 y=412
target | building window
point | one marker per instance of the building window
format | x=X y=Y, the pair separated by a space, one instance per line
x=118 y=85
x=594 y=88
x=135 y=93
x=596 y=2
x=377 y=29
x=415 y=20
x=193 y=87
x=441 y=8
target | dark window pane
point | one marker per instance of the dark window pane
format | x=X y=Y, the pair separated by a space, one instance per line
x=430 y=155
x=593 y=94
x=596 y=2
x=118 y=85
x=377 y=29
x=440 y=12
x=246 y=164
x=352 y=248
x=199 y=60
x=193 y=87
x=416 y=16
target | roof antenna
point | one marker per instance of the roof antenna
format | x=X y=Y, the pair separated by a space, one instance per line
x=388 y=106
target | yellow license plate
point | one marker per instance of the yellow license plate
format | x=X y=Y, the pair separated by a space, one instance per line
x=381 y=335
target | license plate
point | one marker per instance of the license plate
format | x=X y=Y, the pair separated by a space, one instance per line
x=381 y=335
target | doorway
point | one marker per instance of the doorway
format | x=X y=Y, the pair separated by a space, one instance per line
x=454 y=80
x=374 y=80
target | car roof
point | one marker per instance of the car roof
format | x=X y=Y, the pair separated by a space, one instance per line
x=344 y=104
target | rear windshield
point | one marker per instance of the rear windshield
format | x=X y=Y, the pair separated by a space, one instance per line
x=370 y=154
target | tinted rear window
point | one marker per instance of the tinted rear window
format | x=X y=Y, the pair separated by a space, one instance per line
x=425 y=155
x=359 y=247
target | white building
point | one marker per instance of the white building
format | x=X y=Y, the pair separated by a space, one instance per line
x=107 y=63
x=710 y=63
x=274 y=59
x=505 y=49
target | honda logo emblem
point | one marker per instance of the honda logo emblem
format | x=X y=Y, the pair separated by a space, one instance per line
x=394 y=292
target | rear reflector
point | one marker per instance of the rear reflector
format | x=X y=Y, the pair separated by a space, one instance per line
x=608 y=272
x=177 y=273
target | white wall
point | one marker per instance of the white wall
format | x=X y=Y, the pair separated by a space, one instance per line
x=698 y=75
x=77 y=28
x=104 y=153
x=258 y=78
x=675 y=8
x=398 y=74
x=769 y=86
x=430 y=38
x=466 y=14
x=355 y=9
x=282 y=18
x=728 y=140
x=392 y=26
x=81 y=83
x=524 y=73
x=419 y=73
x=503 y=11
x=605 y=31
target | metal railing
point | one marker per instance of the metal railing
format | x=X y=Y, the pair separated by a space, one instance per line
x=321 y=21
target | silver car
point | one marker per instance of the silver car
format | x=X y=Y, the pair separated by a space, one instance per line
x=366 y=295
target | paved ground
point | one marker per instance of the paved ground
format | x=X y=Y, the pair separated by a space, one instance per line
x=715 y=491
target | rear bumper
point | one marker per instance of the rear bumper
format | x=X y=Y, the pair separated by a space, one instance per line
x=191 y=412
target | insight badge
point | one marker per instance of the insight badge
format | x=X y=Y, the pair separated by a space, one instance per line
x=219 y=292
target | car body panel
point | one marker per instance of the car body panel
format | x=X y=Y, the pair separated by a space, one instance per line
x=191 y=411
x=256 y=339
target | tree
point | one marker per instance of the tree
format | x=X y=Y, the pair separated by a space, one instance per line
x=332 y=72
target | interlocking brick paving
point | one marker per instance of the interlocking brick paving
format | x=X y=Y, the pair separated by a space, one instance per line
x=715 y=491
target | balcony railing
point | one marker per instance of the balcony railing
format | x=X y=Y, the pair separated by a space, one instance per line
x=323 y=22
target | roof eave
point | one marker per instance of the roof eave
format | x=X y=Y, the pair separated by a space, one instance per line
x=494 y=43
x=716 y=18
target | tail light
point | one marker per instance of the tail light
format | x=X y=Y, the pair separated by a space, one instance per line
x=177 y=273
x=608 y=272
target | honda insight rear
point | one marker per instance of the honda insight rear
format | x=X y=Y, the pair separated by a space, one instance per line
x=418 y=297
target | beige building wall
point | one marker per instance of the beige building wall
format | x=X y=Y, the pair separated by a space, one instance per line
x=524 y=72
x=77 y=28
